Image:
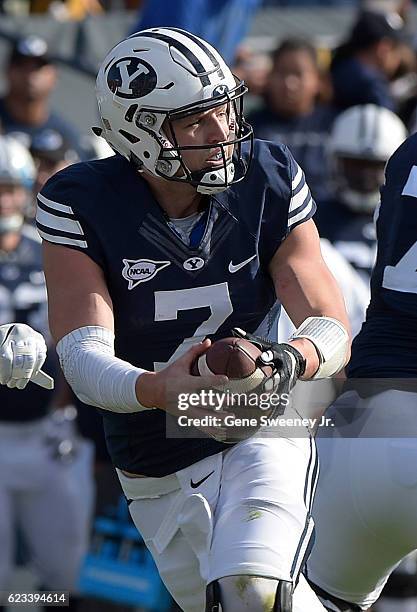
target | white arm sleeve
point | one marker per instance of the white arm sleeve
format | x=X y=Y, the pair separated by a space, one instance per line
x=331 y=340
x=95 y=375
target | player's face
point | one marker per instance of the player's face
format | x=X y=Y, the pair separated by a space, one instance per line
x=208 y=128
x=362 y=175
x=12 y=199
x=293 y=84
x=31 y=80
x=390 y=55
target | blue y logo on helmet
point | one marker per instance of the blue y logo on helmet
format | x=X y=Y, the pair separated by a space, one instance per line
x=220 y=90
x=130 y=77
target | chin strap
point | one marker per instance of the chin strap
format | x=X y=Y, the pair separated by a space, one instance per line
x=214 y=181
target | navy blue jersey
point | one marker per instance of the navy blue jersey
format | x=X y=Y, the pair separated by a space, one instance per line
x=306 y=136
x=23 y=299
x=166 y=295
x=351 y=233
x=386 y=347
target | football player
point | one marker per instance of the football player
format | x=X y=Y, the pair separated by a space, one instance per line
x=366 y=503
x=292 y=114
x=22 y=349
x=151 y=254
x=44 y=488
x=360 y=143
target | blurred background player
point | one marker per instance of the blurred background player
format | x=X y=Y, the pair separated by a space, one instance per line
x=51 y=152
x=363 y=65
x=293 y=114
x=45 y=480
x=25 y=111
x=361 y=141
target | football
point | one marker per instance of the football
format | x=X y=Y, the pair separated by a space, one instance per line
x=236 y=358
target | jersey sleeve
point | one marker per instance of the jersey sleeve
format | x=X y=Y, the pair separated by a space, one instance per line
x=301 y=206
x=63 y=216
x=288 y=201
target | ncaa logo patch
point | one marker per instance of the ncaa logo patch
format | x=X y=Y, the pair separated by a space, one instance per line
x=138 y=271
x=193 y=263
x=130 y=77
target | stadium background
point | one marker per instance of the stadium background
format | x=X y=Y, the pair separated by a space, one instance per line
x=79 y=46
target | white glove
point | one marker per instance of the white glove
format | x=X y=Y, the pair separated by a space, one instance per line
x=22 y=353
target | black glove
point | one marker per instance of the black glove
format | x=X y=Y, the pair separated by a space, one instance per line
x=286 y=362
x=286 y=365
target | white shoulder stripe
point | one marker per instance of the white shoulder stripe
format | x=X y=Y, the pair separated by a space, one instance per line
x=410 y=188
x=62 y=240
x=299 y=198
x=63 y=224
x=51 y=204
x=297 y=179
x=304 y=213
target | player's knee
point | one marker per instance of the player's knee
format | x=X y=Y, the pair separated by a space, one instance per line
x=237 y=593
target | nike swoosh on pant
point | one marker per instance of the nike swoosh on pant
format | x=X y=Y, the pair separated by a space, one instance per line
x=194 y=485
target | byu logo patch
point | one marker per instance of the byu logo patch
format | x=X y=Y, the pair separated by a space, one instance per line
x=131 y=77
x=193 y=263
x=138 y=271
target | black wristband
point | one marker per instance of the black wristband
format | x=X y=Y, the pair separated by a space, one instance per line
x=300 y=361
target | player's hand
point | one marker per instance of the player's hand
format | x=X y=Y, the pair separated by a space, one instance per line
x=164 y=388
x=286 y=361
x=22 y=354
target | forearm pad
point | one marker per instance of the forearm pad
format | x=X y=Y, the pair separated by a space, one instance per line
x=331 y=341
x=95 y=374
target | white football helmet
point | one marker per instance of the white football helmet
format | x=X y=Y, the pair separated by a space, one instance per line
x=160 y=75
x=16 y=163
x=16 y=168
x=362 y=140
